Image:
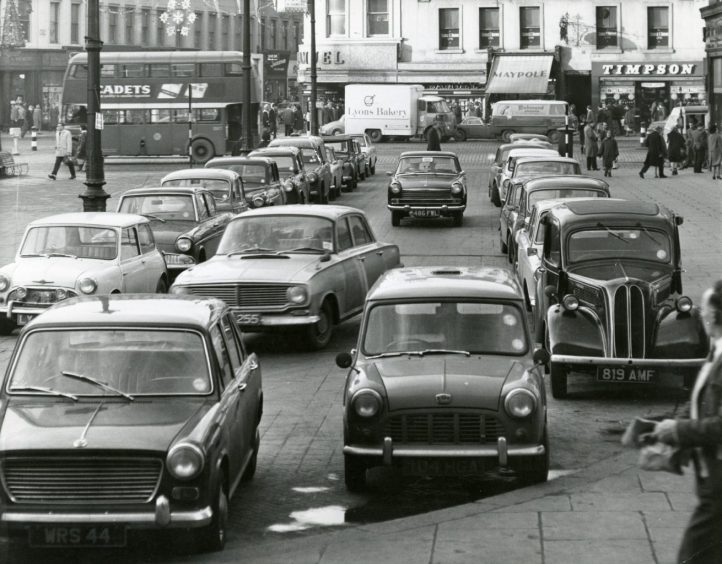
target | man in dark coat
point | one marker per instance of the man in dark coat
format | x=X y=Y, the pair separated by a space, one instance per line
x=699 y=144
x=609 y=151
x=272 y=121
x=433 y=137
x=656 y=153
x=676 y=149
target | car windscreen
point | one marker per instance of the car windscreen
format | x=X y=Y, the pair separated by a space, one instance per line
x=340 y=146
x=440 y=107
x=310 y=156
x=163 y=207
x=73 y=240
x=605 y=242
x=476 y=327
x=427 y=164
x=285 y=163
x=278 y=233
x=561 y=193
x=132 y=361
x=546 y=167
x=251 y=174
x=219 y=188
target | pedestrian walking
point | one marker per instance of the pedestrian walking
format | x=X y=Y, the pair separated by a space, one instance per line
x=63 y=151
x=81 y=152
x=22 y=119
x=582 y=121
x=590 y=146
x=656 y=153
x=699 y=145
x=288 y=117
x=433 y=137
x=266 y=118
x=676 y=149
x=701 y=433
x=629 y=121
x=591 y=116
x=27 y=120
x=714 y=147
x=609 y=151
x=456 y=108
x=265 y=139
x=38 y=117
x=272 y=121
x=477 y=109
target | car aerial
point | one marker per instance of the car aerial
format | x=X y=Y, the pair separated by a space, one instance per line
x=368 y=149
x=498 y=170
x=345 y=149
x=612 y=288
x=261 y=179
x=336 y=127
x=443 y=379
x=186 y=224
x=521 y=137
x=427 y=184
x=226 y=186
x=336 y=166
x=290 y=167
x=121 y=413
x=305 y=268
x=76 y=254
x=525 y=191
x=318 y=170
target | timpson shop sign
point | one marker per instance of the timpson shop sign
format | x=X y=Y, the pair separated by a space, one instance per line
x=644 y=69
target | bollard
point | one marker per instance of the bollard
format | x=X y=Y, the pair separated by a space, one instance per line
x=34 y=139
x=642 y=135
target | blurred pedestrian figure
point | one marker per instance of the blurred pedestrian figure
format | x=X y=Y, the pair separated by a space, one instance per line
x=266 y=117
x=582 y=122
x=602 y=114
x=676 y=149
x=477 y=109
x=81 y=153
x=590 y=146
x=699 y=145
x=656 y=152
x=273 y=123
x=22 y=123
x=63 y=151
x=288 y=117
x=27 y=121
x=591 y=116
x=609 y=151
x=298 y=118
x=701 y=433
x=456 y=108
x=714 y=145
x=629 y=121
x=265 y=138
x=690 y=144
x=38 y=117
x=433 y=137
x=14 y=113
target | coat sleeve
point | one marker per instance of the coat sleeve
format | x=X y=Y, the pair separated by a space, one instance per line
x=706 y=430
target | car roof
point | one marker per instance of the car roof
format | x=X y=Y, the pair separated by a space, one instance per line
x=336 y=138
x=427 y=154
x=213 y=173
x=99 y=219
x=611 y=209
x=507 y=147
x=544 y=158
x=438 y=282
x=538 y=101
x=531 y=151
x=242 y=160
x=164 y=190
x=328 y=212
x=561 y=181
x=132 y=309
x=305 y=141
x=278 y=150
x=544 y=205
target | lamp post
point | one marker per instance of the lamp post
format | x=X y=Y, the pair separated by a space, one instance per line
x=94 y=197
x=247 y=133
x=314 y=114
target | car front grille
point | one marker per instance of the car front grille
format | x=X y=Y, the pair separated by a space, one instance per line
x=71 y=481
x=40 y=297
x=443 y=428
x=256 y=296
x=629 y=322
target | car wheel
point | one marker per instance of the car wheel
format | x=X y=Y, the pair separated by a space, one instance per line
x=506 y=135
x=6 y=326
x=368 y=171
x=161 y=287
x=559 y=381
x=336 y=131
x=354 y=473
x=250 y=470
x=202 y=150
x=495 y=196
x=458 y=219
x=535 y=469
x=504 y=248
x=213 y=537
x=395 y=218
x=319 y=334
x=375 y=135
x=460 y=135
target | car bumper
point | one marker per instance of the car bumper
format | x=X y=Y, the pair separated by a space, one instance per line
x=273 y=320
x=639 y=362
x=441 y=207
x=13 y=309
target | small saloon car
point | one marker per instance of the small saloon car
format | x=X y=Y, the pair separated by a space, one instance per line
x=261 y=180
x=369 y=150
x=443 y=380
x=427 y=184
x=226 y=186
x=291 y=267
x=77 y=254
x=612 y=278
x=345 y=149
x=127 y=412
x=498 y=165
x=291 y=170
x=186 y=224
x=314 y=160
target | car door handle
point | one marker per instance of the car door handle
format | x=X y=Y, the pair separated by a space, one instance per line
x=242 y=387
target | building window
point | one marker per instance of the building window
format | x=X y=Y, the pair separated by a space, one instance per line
x=530 y=28
x=159 y=28
x=24 y=9
x=113 y=24
x=335 y=17
x=225 y=30
x=298 y=32
x=607 y=27
x=54 y=18
x=128 y=15
x=489 y=34
x=658 y=27
x=284 y=25
x=274 y=32
x=212 y=32
x=378 y=17
x=75 y=24
x=145 y=26
x=238 y=35
x=198 y=31
x=449 y=37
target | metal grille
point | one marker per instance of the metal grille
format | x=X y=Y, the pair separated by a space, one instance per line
x=586 y=294
x=629 y=322
x=85 y=480
x=427 y=195
x=268 y=296
x=443 y=428
x=39 y=297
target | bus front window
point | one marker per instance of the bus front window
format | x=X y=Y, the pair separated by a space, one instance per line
x=75 y=114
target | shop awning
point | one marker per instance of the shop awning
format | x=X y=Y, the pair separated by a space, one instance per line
x=519 y=74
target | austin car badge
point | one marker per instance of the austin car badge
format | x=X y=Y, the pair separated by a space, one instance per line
x=443 y=399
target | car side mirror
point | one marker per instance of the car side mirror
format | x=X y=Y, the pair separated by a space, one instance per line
x=531 y=251
x=344 y=360
x=541 y=356
x=678 y=220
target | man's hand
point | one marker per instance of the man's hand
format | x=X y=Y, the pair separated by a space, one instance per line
x=666 y=432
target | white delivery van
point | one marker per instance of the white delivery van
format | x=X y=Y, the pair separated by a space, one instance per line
x=683 y=115
x=528 y=116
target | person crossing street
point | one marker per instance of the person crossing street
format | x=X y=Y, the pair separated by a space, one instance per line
x=63 y=151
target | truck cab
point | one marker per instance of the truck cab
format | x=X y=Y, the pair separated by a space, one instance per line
x=428 y=107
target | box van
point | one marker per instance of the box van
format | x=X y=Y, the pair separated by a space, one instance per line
x=528 y=116
x=682 y=115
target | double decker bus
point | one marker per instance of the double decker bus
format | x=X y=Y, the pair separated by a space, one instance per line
x=144 y=101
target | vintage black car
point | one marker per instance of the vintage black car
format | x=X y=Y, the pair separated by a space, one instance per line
x=317 y=168
x=261 y=180
x=127 y=412
x=345 y=149
x=612 y=283
x=291 y=170
x=427 y=184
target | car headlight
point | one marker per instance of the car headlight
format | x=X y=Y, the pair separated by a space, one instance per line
x=183 y=244
x=288 y=186
x=61 y=294
x=4 y=282
x=297 y=294
x=366 y=403
x=87 y=285
x=457 y=188
x=20 y=293
x=312 y=177
x=179 y=290
x=259 y=201
x=506 y=183
x=520 y=403
x=185 y=461
x=395 y=188
x=570 y=302
x=684 y=304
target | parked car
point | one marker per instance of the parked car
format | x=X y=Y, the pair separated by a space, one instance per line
x=186 y=224
x=260 y=176
x=314 y=159
x=127 y=412
x=361 y=163
x=443 y=379
x=76 y=254
x=473 y=127
x=336 y=127
x=507 y=169
x=427 y=184
x=346 y=150
x=336 y=165
x=368 y=149
x=289 y=161
x=226 y=186
x=306 y=268
x=500 y=158
x=612 y=279
x=522 y=137
x=525 y=191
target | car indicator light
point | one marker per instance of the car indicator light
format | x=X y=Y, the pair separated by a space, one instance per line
x=570 y=302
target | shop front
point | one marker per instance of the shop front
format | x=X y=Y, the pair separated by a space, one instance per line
x=712 y=15
x=275 y=75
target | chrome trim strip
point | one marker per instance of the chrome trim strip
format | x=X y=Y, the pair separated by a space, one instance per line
x=442 y=207
x=490 y=451
x=611 y=361
x=198 y=518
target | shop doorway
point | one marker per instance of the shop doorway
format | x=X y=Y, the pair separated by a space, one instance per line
x=650 y=95
x=579 y=91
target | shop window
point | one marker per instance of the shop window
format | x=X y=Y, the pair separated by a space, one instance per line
x=489 y=33
x=274 y=32
x=145 y=26
x=658 y=27
x=75 y=24
x=284 y=26
x=607 y=27
x=54 y=18
x=449 y=36
x=335 y=18
x=530 y=27
x=377 y=17
x=113 y=24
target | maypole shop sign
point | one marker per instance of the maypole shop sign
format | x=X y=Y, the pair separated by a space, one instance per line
x=642 y=69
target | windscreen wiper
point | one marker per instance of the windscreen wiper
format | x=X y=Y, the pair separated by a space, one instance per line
x=95 y=382
x=441 y=351
x=648 y=234
x=45 y=391
x=151 y=216
x=245 y=250
x=612 y=233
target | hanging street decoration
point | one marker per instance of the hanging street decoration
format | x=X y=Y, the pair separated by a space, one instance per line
x=178 y=17
x=12 y=31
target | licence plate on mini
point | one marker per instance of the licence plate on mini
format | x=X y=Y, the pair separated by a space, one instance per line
x=424 y=213
x=76 y=535
x=248 y=318
x=23 y=318
x=442 y=467
x=626 y=374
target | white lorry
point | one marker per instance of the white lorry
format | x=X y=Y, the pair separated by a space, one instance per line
x=394 y=110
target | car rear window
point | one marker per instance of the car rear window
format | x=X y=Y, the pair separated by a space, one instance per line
x=562 y=193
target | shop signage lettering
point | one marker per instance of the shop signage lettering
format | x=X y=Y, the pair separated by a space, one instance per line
x=521 y=74
x=647 y=69
x=125 y=90
x=323 y=57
